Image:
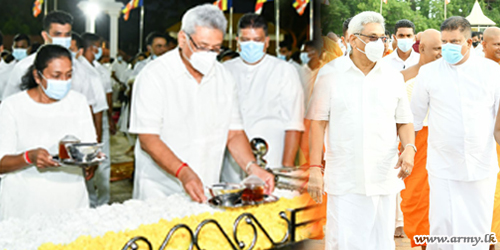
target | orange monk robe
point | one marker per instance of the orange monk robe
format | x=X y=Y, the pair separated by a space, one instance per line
x=331 y=50
x=415 y=197
x=495 y=226
x=388 y=51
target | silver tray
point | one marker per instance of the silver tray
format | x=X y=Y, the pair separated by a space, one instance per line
x=234 y=201
x=70 y=162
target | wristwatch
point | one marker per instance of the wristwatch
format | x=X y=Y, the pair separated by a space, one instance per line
x=413 y=146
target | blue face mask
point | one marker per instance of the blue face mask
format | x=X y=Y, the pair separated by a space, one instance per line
x=349 y=49
x=98 y=54
x=304 y=57
x=56 y=89
x=405 y=44
x=119 y=58
x=63 y=41
x=282 y=57
x=19 y=53
x=251 y=51
x=73 y=54
x=452 y=53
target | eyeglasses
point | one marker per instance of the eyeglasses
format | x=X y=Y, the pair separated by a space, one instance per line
x=373 y=38
x=216 y=50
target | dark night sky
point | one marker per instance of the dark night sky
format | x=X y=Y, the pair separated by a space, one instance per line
x=15 y=17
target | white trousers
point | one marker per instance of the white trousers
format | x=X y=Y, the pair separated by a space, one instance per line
x=98 y=186
x=460 y=209
x=360 y=222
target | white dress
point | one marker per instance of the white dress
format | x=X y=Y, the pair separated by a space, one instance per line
x=27 y=125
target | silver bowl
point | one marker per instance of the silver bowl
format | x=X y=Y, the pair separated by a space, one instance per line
x=225 y=188
x=83 y=152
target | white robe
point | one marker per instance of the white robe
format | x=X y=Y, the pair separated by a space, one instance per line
x=360 y=222
x=460 y=208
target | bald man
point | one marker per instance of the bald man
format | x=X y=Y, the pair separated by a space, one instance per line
x=491 y=46
x=415 y=197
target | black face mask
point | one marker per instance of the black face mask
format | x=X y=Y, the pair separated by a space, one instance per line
x=475 y=44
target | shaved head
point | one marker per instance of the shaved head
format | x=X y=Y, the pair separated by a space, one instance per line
x=491 y=44
x=419 y=36
x=430 y=45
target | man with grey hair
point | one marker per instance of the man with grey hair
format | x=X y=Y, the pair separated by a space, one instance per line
x=461 y=93
x=185 y=112
x=364 y=106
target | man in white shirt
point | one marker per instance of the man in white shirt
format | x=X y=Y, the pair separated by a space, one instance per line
x=270 y=97
x=285 y=54
x=311 y=58
x=19 y=51
x=364 y=106
x=185 y=112
x=404 y=56
x=461 y=92
x=98 y=187
x=21 y=46
x=119 y=71
x=57 y=30
x=156 y=45
x=476 y=44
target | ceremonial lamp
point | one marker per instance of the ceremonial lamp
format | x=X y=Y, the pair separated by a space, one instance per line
x=284 y=177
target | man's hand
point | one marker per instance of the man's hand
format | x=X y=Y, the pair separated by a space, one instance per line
x=192 y=185
x=267 y=177
x=112 y=126
x=315 y=186
x=89 y=172
x=405 y=162
x=41 y=158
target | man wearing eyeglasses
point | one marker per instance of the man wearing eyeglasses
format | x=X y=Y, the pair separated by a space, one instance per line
x=364 y=106
x=461 y=93
x=404 y=56
x=270 y=96
x=185 y=112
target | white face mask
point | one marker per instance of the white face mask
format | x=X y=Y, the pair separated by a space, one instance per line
x=374 y=51
x=202 y=61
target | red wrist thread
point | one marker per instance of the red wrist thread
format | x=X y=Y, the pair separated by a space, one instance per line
x=180 y=168
x=27 y=158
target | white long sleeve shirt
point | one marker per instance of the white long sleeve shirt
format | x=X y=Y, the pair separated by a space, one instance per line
x=462 y=101
x=362 y=142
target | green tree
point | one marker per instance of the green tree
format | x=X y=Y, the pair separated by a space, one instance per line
x=424 y=14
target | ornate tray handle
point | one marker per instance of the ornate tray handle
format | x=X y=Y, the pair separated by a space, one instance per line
x=211 y=221
x=254 y=223
x=131 y=244
x=171 y=233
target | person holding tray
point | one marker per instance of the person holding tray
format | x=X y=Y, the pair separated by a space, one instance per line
x=32 y=124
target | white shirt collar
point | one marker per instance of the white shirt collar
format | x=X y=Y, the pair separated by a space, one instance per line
x=395 y=55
